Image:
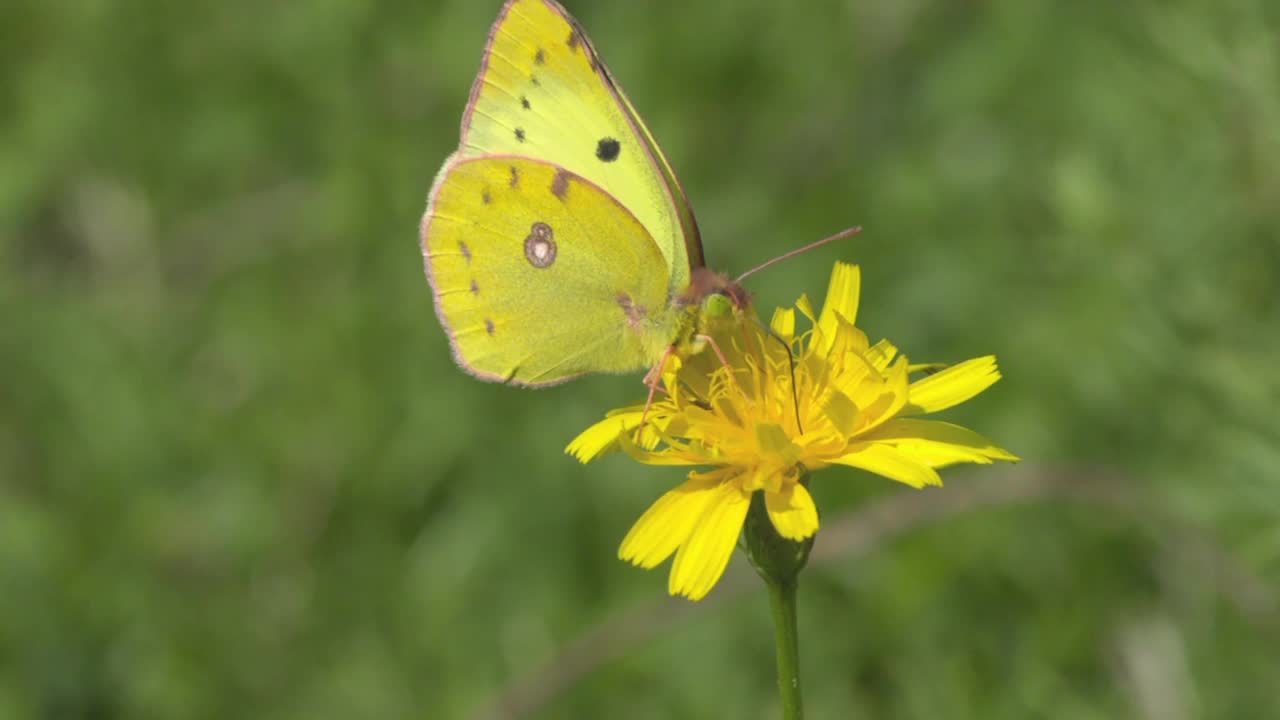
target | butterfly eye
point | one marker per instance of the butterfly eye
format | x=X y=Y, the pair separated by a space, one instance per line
x=717 y=304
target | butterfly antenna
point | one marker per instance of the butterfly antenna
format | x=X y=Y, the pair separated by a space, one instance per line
x=838 y=236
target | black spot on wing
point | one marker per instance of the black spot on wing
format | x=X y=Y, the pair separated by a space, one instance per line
x=540 y=57
x=607 y=149
x=524 y=102
x=519 y=134
x=515 y=176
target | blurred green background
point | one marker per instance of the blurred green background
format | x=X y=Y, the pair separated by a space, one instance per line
x=241 y=477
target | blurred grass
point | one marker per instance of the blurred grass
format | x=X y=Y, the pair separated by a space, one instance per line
x=240 y=476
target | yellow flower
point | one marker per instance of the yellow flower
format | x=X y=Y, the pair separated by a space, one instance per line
x=779 y=406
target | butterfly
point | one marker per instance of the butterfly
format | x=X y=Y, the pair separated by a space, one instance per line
x=557 y=239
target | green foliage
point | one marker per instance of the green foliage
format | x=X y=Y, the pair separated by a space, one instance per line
x=241 y=477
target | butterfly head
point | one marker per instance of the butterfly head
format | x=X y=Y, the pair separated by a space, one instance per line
x=712 y=305
x=714 y=297
x=714 y=290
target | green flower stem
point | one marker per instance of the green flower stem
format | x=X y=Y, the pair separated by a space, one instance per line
x=779 y=561
x=782 y=601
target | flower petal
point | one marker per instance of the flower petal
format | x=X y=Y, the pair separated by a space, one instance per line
x=792 y=511
x=784 y=323
x=668 y=522
x=805 y=306
x=842 y=297
x=886 y=460
x=938 y=444
x=881 y=354
x=841 y=411
x=775 y=445
x=602 y=437
x=705 y=554
x=672 y=454
x=882 y=401
x=953 y=385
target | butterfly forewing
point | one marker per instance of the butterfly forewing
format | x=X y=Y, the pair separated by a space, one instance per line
x=688 y=223
x=542 y=92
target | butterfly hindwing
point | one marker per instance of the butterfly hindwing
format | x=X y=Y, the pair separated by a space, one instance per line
x=539 y=275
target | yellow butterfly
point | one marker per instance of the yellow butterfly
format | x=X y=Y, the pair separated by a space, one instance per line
x=557 y=238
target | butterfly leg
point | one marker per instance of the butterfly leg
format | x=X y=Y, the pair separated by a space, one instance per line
x=723 y=360
x=653 y=380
